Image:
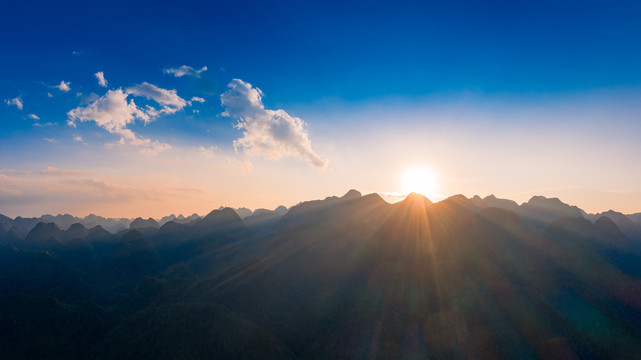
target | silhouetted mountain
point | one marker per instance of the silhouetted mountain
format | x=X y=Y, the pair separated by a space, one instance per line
x=220 y=222
x=44 y=236
x=414 y=201
x=172 y=217
x=140 y=223
x=493 y=201
x=101 y=240
x=148 y=227
x=109 y=224
x=180 y=219
x=75 y=231
x=11 y=236
x=263 y=221
x=303 y=210
x=63 y=221
x=25 y=224
x=190 y=219
x=9 y=233
x=624 y=223
x=340 y=278
x=242 y=212
x=171 y=234
x=351 y=194
x=541 y=211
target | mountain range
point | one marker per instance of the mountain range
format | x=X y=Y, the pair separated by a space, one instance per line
x=342 y=278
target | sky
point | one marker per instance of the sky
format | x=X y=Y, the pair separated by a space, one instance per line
x=138 y=108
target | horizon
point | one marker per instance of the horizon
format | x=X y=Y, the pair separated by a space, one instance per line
x=386 y=198
x=183 y=109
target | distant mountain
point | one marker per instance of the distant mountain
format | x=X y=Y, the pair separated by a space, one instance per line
x=75 y=231
x=414 y=201
x=148 y=227
x=110 y=224
x=242 y=211
x=168 y=218
x=493 y=201
x=6 y=223
x=9 y=233
x=339 y=278
x=624 y=223
x=180 y=219
x=171 y=234
x=44 y=236
x=24 y=225
x=101 y=240
x=63 y=221
x=219 y=222
x=140 y=223
x=303 y=210
x=262 y=221
x=541 y=211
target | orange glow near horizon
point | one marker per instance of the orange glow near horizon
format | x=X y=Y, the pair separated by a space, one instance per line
x=419 y=179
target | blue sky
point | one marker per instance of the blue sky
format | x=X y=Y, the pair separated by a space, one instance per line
x=356 y=74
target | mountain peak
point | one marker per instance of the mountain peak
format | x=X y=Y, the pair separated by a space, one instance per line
x=140 y=223
x=415 y=200
x=352 y=194
x=219 y=221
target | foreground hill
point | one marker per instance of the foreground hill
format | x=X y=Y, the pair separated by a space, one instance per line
x=340 y=278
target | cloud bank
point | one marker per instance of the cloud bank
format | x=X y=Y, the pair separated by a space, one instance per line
x=269 y=133
x=184 y=71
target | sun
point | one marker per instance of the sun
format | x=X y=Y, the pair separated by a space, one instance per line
x=419 y=179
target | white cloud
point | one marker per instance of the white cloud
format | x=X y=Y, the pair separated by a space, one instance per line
x=198 y=99
x=50 y=140
x=101 y=78
x=168 y=99
x=270 y=133
x=33 y=116
x=185 y=71
x=45 y=124
x=78 y=138
x=113 y=113
x=49 y=95
x=17 y=102
x=64 y=86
